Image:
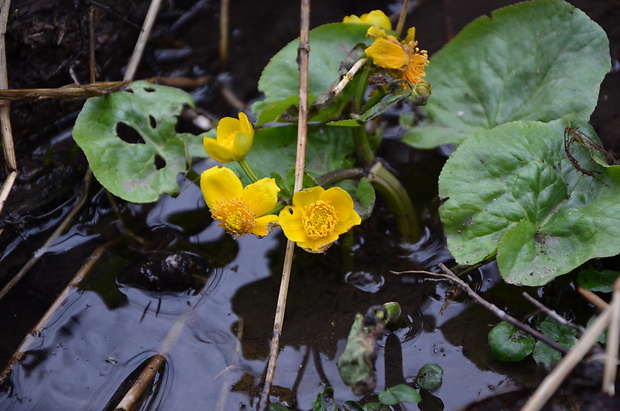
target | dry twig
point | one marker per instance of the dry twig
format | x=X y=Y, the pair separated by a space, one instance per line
x=501 y=314
x=302 y=131
x=565 y=366
x=613 y=339
x=48 y=243
x=132 y=67
x=401 y=19
x=5 y=119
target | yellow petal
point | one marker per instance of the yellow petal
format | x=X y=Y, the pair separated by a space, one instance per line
x=318 y=245
x=308 y=196
x=245 y=125
x=352 y=19
x=261 y=196
x=217 y=151
x=340 y=200
x=410 y=35
x=220 y=183
x=290 y=221
x=241 y=145
x=226 y=129
x=264 y=225
x=375 y=32
x=345 y=225
x=377 y=18
x=387 y=54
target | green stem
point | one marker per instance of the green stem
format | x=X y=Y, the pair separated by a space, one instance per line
x=340 y=174
x=248 y=170
x=362 y=147
x=362 y=85
x=193 y=176
x=374 y=99
x=398 y=201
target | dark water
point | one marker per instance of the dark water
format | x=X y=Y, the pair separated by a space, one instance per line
x=126 y=311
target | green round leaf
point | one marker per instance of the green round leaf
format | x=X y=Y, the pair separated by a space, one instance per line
x=399 y=394
x=430 y=377
x=599 y=281
x=329 y=45
x=130 y=141
x=513 y=190
x=274 y=150
x=510 y=344
x=536 y=60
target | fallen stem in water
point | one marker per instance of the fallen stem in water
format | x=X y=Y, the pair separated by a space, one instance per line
x=448 y=275
x=398 y=201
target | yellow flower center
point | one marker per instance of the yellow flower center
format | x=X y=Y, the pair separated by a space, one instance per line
x=235 y=216
x=319 y=219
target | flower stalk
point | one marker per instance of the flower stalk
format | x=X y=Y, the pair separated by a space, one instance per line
x=248 y=170
x=398 y=201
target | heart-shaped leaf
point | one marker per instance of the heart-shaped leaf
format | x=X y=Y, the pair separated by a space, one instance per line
x=329 y=45
x=130 y=141
x=536 y=60
x=515 y=191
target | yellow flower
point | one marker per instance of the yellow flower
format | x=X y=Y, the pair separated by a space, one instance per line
x=233 y=141
x=317 y=217
x=402 y=59
x=240 y=210
x=375 y=17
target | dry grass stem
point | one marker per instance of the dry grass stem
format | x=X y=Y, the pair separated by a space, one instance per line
x=8 y=147
x=592 y=298
x=48 y=243
x=134 y=61
x=613 y=339
x=401 y=19
x=302 y=132
x=555 y=378
x=348 y=76
x=224 y=22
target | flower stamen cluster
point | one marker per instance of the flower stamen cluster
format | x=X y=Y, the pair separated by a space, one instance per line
x=401 y=59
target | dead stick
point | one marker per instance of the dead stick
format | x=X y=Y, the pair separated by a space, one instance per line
x=302 y=133
x=59 y=302
x=501 y=314
x=613 y=339
x=91 y=45
x=551 y=313
x=592 y=298
x=144 y=380
x=74 y=91
x=129 y=401
x=8 y=147
x=564 y=367
x=224 y=9
x=401 y=19
x=24 y=270
x=136 y=56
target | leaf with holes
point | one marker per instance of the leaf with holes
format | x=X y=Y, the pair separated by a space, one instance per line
x=536 y=60
x=130 y=140
x=515 y=191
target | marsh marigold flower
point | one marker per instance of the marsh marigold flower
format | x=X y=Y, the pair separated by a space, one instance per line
x=375 y=17
x=402 y=59
x=233 y=141
x=240 y=210
x=318 y=217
